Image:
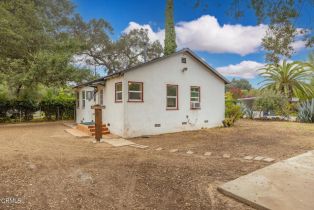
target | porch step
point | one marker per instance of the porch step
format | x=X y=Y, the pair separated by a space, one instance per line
x=93 y=126
x=90 y=129
x=103 y=133
x=94 y=129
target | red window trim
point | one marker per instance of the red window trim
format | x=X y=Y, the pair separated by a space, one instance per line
x=199 y=97
x=115 y=93
x=169 y=108
x=142 y=95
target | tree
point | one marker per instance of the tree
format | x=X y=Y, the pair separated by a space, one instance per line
x=242 y=84
x=236 y=92
x=36 y=43
x=269 y=100
x=310 y=63
x=280 y=16
x=170 y=34
x=130 y=49
x=288 y=79
x=232 y=110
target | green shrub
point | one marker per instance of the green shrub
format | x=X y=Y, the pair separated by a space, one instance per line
x=306 y=111
x=26 y=108
x=247 y=111
x=232 y=112
x=228 y=122
x=270 y=101
x=17 y=109
x=5 y=106
x=58 y=107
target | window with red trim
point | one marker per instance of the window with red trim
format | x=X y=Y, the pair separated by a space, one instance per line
x=172 y=97
x=195 y=97
x=135 y=91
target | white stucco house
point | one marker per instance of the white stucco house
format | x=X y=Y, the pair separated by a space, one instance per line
x=173 y=93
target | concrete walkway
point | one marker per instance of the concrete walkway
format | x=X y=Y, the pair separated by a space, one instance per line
x=118 y=142
x=284 y=185
x=77 y=133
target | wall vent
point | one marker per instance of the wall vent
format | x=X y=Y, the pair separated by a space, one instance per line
x=205 y=121
x=157 y=125
x=108 y=124
x=183 y=60
x=184 y=123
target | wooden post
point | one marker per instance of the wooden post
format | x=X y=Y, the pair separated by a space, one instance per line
x=98 y=122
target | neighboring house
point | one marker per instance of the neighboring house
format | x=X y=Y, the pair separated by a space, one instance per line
x=173 y=93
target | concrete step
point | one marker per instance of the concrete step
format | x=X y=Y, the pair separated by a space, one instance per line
x=103 y=133
x=93 y=126
x=94 y=129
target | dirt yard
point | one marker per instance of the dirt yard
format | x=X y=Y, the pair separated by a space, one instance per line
x=45 y=168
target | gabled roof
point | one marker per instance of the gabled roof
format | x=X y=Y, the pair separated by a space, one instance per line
x=185 y=50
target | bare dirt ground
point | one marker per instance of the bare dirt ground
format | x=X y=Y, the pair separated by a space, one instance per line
x=49 y=169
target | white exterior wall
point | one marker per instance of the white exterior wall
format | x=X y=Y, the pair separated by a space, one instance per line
x=131 y=119
x=85 y=114
x=140 y=118
x=112 y=113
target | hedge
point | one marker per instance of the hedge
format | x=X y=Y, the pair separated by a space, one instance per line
x=23 y=110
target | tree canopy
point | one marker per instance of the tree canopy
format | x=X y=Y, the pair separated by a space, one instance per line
x=170 y=34
x=130 y=49
x=40 y=39
x=36 y=44
x=242 y=84
x=288 y=79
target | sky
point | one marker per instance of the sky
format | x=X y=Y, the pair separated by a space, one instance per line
x=232 y=46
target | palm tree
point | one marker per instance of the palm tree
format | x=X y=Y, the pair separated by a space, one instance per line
x=310 y=63
x=289 y=79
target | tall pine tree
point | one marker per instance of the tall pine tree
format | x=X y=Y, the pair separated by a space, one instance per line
x=170 y=36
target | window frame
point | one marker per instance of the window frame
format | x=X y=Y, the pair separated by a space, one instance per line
x=199 y=97
x=95 y=95
x=176 y=97
x=89 y=95
x=83 y=99
x=142 y=92
x=116 y=92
